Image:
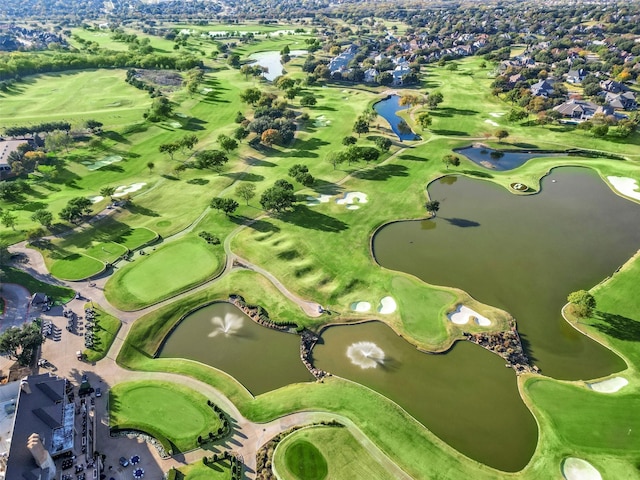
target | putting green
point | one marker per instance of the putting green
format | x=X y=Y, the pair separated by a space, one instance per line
x=163 y=273
x=107 y=252
x=178 y=413
x=302 y=455
x=137 y=237
x=76 y=267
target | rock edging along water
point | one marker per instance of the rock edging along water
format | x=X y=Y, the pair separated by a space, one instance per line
x=507 y=345
x=308 y=339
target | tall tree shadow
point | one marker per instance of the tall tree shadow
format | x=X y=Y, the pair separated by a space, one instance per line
x=305 y=217
x=618 y=326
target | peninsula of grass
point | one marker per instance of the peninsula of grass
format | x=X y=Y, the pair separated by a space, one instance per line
x=76 y=267
x=326 y=452
x=162 y=273
x=58 y=293
x=162 y=409
x=106 y=252
x=105 y=329
x=137 y=237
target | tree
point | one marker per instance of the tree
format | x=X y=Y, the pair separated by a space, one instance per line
x=8 y=219
x=301 y=174
x=336 y=158
x=21 y=343
x=227 y=205
x=361 y=126
x=434 y=99
x=383 y=143
x=425 y=120
x=349 y=140
x=43 y=216
x=227 y=143
x=501 y=134
x=93 y=126
x=234 y=60
x=600 y=131
x=278 y=198
x=246 y=191
x=169 y=148
x=108 y=192
x=251 y=95
x=160 y=108
x=150 y=166
x=188 y=141
x=270 y=136
x=56 y=140
x=75 y=208
x=240 y=133
x=582 y=303
x=409 y=100
x=308 y=100
x=451 y=160
x=213 y=159
x=432 y=207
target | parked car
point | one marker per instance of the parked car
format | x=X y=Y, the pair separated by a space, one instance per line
x=124 y=462
x=98 y=392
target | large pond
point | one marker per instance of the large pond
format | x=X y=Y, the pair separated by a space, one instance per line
x=271 y=61
x=224 y=337
x=466 y=397
x=501 y=159
x=524 y=254
x=387 y=109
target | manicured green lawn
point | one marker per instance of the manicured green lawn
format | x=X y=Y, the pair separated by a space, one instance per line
x=305 y=461
x=137 y=237
x=102 y=95
x=104 y=333
x=337 y=453
x=160 y=274
x=76 y=267
x=58 y=293
x=197 y=471
x=178 y=413
x=106 y=252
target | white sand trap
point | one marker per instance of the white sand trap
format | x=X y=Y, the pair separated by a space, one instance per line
x=626 y=186
x=205 y=90
x=103 y=163
x=184 y=115
x=387 y=306
x=496 y=114
x=578 y=469
x=311 y=201
x=610 y=385
x=321 y=121
x=175 y=124
x=352 y=197
x=96 y=199
x=461 y=315
x=491 y=122
x=353 y=207
x=361 y=306
x=123 y=190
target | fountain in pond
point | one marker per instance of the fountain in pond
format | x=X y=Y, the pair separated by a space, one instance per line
x=365 y=354
x=229 y=325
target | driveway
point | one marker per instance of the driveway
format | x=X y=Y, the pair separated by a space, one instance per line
x=16 y=305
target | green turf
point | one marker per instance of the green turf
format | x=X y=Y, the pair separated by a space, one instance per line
x=221 y=470
x=342 y=456
x=76 y=267
x=305 y=461
x=107 y=252
x=177 y=412
x=104 y=333
x=137 y=237
x=162 y=273
x=58 y=293
x=102 y=95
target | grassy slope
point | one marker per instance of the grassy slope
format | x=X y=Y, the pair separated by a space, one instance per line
x=179 y=413
x=104 y=333
x=197 y=471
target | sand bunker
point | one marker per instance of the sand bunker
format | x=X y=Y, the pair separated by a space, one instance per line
x=321 y=121
x=96 y=199
x=626 y=186
x=610 y=385
x=311 y=201
x=361 y=306
x=123 y=190
x=462 y=314
x=103 y=163
x=387 y=306
x=578 y=469
x=496 y=114
x=353 y=207
x=491 y=122
x=352 y=197
x=175 y=124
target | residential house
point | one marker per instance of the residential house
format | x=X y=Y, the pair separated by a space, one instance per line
x=370 y=75
x=576 y=76
x=582 y=109
x=613 y=86
x=542 y=88
x=399 y=72
x=621 y=101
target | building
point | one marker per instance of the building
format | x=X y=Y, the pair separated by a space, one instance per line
x=6 y=147
x=576 y=76
x=543 y=88
x=43 y=427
